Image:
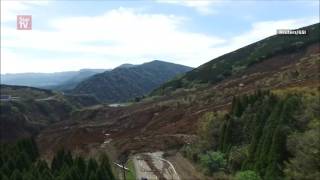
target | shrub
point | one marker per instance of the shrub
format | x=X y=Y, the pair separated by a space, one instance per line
x=306 y=155
x=212 y=162
x=209 y=130
x=191 y=152
x=247 y=175
x=237 y=155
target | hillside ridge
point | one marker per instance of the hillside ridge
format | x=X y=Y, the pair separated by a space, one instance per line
x=123 y=84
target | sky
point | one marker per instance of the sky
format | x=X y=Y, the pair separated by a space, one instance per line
x=70 y=35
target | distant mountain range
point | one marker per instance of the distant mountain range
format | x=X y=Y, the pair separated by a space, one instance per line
x=123 y=83
x=129 y=81
x=59 y=80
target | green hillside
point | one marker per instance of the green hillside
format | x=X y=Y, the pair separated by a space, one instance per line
x=126 y=83
x=238 y=61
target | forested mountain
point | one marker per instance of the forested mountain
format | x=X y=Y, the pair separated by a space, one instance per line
x=236 y=62
x=60 y=80
x=127 y=82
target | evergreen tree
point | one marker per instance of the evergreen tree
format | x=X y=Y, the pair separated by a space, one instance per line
x=16 y=175
x=93 y=176
x=105 y=168
x=4 y=177
x=20 y=161
x=63 y=158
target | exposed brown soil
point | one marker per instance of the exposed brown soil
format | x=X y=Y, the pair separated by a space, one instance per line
x=171 y=121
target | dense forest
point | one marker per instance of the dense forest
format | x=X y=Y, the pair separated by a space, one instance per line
x=266 y=135
x=21 y=161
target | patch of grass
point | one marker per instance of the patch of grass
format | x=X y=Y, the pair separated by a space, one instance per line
x=132 y=174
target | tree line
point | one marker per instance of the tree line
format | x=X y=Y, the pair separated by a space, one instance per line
x=21 y=161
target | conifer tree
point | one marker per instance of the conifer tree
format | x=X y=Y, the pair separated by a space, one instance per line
x=16 y=175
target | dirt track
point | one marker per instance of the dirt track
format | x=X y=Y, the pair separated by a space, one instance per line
x=184 y=168
x=152 y=166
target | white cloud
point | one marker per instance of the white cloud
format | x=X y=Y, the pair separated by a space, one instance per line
x=202 y=6
x=120 y=33
x=122 y=36
x=261 y=30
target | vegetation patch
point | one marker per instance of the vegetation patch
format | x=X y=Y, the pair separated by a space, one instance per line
x=21 y=160
x=265 y=135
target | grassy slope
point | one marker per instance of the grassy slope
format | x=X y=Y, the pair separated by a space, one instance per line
x=132 y=174
x=235 y=62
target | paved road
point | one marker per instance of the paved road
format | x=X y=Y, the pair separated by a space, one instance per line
x=152 y=166
x=46 y=99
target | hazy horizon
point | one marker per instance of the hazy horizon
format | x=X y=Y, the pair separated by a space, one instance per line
x=76 y=70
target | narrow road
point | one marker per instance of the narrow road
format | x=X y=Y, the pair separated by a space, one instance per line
x=152 y=166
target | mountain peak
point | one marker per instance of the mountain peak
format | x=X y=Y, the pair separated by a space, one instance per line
x=126 y=65
x=158 y=61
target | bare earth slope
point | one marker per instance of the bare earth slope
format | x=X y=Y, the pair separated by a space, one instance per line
x=167 y=122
